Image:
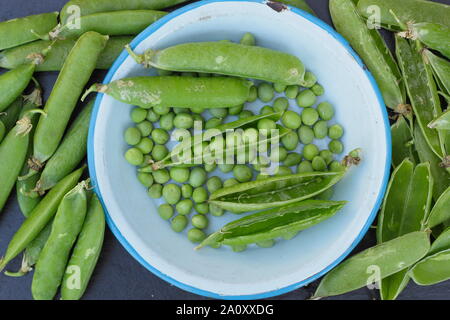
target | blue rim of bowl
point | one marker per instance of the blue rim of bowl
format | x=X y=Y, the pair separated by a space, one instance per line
x=146 y=33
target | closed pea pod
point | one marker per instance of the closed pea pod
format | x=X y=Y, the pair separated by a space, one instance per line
x=441 y=69
x=433 y=269
x=10 y=115
x=402 y=142
x=440 y=212
x=85 y=253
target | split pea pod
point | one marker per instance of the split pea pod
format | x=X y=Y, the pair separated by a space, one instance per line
x=370 y=46
x=85 y=253
x=402 y=142
x=54 y=60
x=390 y=257
x=226 y=58
x=441 y=69
x=273 y=223
x=53 y=259
x=23 y=30
x=69 y=153
x=73 y=77
x=39 y=217
x=177 y=91
x=441 y=210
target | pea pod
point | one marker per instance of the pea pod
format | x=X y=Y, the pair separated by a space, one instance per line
x=11 y=114
x=85 y=254
x=53 y=258
x=177 y=91
x=407 y=10
x=23 y=30
x=274 y=223
x=2 y=131
x=54 y=60
x=402 y=142
x=39 y=217
x=441 y=210
x=69 y=153
x=389 y=257
x=88 y=7
x=273 y=192
x=226 y=58
x=441 y=243
x=301 y=4
x=405 y=208
x=71 y=80
x=441 y=69
x=433 y=269
x=442 y=122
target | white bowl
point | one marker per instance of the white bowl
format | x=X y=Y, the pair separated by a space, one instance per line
x=255 y=273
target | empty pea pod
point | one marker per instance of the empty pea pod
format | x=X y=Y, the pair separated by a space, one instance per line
x=23 y=30
x=273 y=223
x=440 y=212
x=402 y=142
x=433 y=269
x=390 y=257
x=226 y=58
x=441 y=69
x=177 y=91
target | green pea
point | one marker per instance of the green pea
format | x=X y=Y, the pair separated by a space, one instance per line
x=327 y=155
x=220 y=113
x=186 y=190
x=290 y=141
x=305 y=166
x=166 y=121
x=178 y=110
x=183 y=121
x=336 y=166
x=239 y=248
x=200 y=221
x=245 y=114
x=279 y=87
x=197 y=110
x=155 y=191
x=146 y=179
x=184 y=207
x=326 y=111
x=171 y=193
x=278 y=154
x=291 y=119
x=202 y=208
x=320 y=129
x=179 y=223
x=306 y=134
x=210 y=167
x=216 y=211
x=134 y=156
x=145 y=145
x=318 y=90
x=196 y=235
x=247 y=39
x=179 y=174
x=145 y=127
x=283 y=171
x=319 y=164
x=230 y=182
x=198 y=118
x=225 y=168
x=213 y=184
x=236 y=110
x=306 y=99
x=291 y=91
x=265 y=243
x=265 y=92
x=161 y=176
x=161 y=110
x=159 y=152
x=310 y=80
x=200 y=195
x=242 y=173
x=253 y=94
x=266 y=110
x=292 y=159
x=152 y=116
x=310 y=116
x=165 y=211
x=336 y=146
x=197 y=177
x=310 y=151
x=132 y=136
x=213 y=123
x=160 y=136
x=138 y=114
x=266 y=125
x=280 y=104
x=335 y=131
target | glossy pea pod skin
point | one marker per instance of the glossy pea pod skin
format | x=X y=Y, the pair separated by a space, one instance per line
x=442 y=122
x=10 y=115
x=433 y=269
x=73 y=77
x=372 y=50
x=88 y=7
x=391 y=257
x=441 y=210
x=274 y=192
x=402 y=142
x=177 y=91
x=85 y=253
x=441 y=69
x=19 y=31
x=39 y=217
x=441 y=243
x=14 y=82
x=54 y=60
x=227 y=58
x=53 y=258
x=69 y=153
x=274 y=223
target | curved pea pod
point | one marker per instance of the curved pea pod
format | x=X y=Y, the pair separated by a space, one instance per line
x=433 y=269
x=406 y=10
x=388 y=258
x=88 y=7
x=54 y=60
x=405 y=208
x=226 y=58
x=301 y=4
x=69 y=153
x=177 y=91
x=441 y=69
x=53 y=258
x=10 y=115
x=116 y=23
x=442 y=122
x=85 y=253
x=402 y=142
x=274 y=192
x=441 y=243
x=372 y=49
x=441 y=210
x=73 y=77
x=39 y=217
x=22 y=30
x=273 y=223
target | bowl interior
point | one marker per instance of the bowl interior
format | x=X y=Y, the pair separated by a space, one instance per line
x=256 y=272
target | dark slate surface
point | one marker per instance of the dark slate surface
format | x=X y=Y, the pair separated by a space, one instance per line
x=118 y=275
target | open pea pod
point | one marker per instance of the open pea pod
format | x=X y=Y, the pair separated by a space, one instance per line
x=273 y=223
x=274 y=192
x=442 y=122
x=385 y=259
x=441 y=210
x=405 y=208
x=402 y=142
x=433 y=269
x=441 y=69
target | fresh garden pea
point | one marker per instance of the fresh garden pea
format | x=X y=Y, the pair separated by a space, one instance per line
x=318 y=90
x=402 y=142
x=234 y=111
x=267 y=125
x=152 y=116
x=305 y=166
x=391 y=257
x=213 y=123
x=230 y=182
x=440 y=212
x=310 y=151
x=179 y=174
x=283 y=171
x=138 y=114
x=306 y=99
x=290 y=141
x=267 y=110
x=326 y=111
x=145 y=127
x=184 y=207
x=214 y=184
x=336 y=166
x=253 y=94
x=186 y=191
x=321 y=129
x=134 y=156
x=265 y=92
x=327 y=155
x=166 y=121
x=197 y=177
x=291 y=120
x=336 y=146
x=183 y=121
x=159 y=152
x=160 y=136
x=278 y=87
x=278 y=154
x=292 y=159
x=200 y=195
x=305 y=134
x=432 y=269
x=196 y=235
x=161 y=109
x=179 y=223
x=280 y=104
x=225 y=168
x=161 y=176
x=310 y=116
x=246 y=114
x=210 y=167
x=200 y=221
x=155 y=191
x=132 y=136
x=310 y=80
x=202 y=208
x=318 y=163
x=248 y=39
x=171 y=193
x=216 y=211
x=197 y=110
x=145 y=145
x=292 y=92
x=146 y=179
x=220 y=113
x=242 y=173
x=335 y=131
